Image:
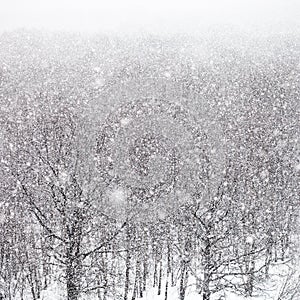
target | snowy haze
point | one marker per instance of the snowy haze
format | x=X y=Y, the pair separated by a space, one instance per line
x=149 y=150
x=154 y=16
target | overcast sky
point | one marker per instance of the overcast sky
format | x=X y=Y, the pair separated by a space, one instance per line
x=146 y=15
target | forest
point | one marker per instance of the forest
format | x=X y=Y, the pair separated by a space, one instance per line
x=149 y=167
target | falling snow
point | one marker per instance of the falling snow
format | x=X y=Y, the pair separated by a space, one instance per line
x=149 y=167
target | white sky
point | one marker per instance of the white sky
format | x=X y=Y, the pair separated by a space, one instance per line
x=146 y=15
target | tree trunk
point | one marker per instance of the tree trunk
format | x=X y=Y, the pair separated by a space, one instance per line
x=155 y=271
x=183 y=281
x=73 y=278
x=250 y=279
x=206 y=288
x=168 y=271
x=145 y=273
x=268 y=261
x=134 y=288
x=137 y=281
x=206 y=276
x=127 y=264
x=74 y=261
x=140 y=281
x=159 y=277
